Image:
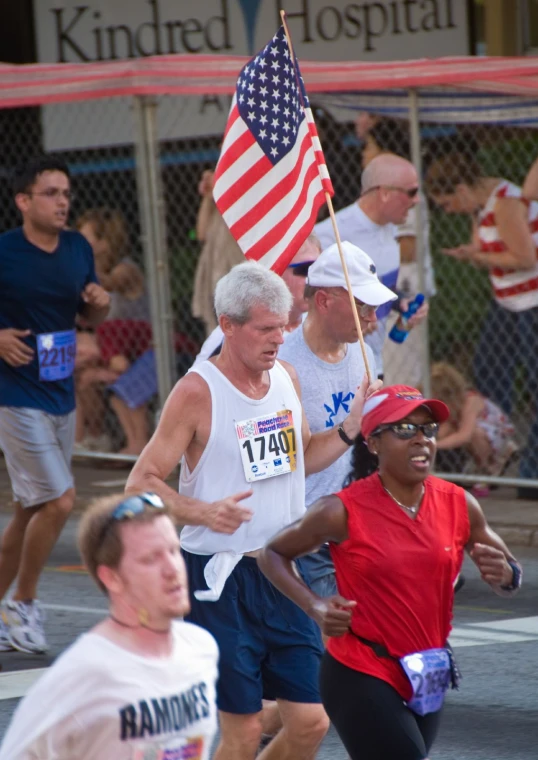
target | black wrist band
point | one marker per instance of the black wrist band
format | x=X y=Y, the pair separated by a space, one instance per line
x=516 y=577
x=344 y=436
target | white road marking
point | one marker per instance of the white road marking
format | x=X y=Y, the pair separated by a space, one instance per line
x=117 y=483
x=495 y=632
x=524 y=624
x=16 y=683
x=68 y=608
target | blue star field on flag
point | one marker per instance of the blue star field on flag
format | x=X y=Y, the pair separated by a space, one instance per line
x=269 y=98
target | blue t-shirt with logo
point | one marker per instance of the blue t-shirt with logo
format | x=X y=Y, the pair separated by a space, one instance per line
x=42 y=292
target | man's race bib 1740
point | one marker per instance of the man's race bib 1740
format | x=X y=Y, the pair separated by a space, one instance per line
x=56 y=354
x=268 y=445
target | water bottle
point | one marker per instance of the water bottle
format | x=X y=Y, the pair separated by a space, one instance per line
x=400 y=330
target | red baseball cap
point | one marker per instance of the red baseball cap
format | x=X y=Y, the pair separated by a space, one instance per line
x=393 y=403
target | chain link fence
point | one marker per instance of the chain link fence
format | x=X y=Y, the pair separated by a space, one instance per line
x=478 y=357
x=139 y=191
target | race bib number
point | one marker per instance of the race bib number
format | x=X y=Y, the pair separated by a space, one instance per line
x=267 y=445
x=176 y=749
x=429 y=674
x=56 y=354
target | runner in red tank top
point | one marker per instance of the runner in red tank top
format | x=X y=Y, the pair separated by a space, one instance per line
x=397 y=539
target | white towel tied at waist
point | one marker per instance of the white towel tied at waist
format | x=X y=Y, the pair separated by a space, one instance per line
x=216 y=573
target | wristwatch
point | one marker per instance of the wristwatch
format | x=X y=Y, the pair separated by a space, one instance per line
x=517 y=577
x=344 y=436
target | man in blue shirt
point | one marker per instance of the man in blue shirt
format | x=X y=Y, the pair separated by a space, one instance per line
x=47 y=277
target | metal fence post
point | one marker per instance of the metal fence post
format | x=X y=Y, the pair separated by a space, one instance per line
x=416 y=158
x=152 y=222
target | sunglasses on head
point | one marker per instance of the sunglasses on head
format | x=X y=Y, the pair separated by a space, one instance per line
x=130 y=507
x=300 y=270
x=407 y=430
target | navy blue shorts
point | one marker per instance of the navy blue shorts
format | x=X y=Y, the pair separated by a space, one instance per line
x=269 y=648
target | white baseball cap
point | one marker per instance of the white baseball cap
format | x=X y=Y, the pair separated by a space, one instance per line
x=327 y=272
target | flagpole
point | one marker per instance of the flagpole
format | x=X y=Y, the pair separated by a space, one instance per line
x=337 y=237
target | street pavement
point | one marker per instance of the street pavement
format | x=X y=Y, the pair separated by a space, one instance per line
x=491 y=717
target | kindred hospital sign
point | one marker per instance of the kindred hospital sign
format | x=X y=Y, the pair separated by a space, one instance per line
x=323 y=30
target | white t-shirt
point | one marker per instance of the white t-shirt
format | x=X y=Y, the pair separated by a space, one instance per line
x=101 y=702
x=210 y=344
x=327 y=393
x=408 y=280
x=379 y=242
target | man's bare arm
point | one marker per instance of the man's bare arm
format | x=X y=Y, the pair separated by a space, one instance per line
x=322 y=449
x=176 y=430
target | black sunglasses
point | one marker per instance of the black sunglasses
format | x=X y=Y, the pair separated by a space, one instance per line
x=407 y=430
x=129 y=508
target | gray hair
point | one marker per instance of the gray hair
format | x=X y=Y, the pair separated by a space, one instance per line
x=249 y=285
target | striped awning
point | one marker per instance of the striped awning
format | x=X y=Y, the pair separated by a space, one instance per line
x=514 y=79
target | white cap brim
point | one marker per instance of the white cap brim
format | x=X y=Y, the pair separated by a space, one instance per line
x=374 y=293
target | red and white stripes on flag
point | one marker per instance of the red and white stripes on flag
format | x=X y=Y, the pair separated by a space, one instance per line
x=271 y=177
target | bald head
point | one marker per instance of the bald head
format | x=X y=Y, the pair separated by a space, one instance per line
x=389 y=189
x=387 y=169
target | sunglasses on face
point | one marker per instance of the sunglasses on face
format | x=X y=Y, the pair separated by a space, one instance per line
x=407 y=430
x=130 y=507
x=410 y=192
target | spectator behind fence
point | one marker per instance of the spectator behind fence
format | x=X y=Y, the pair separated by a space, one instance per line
x=530 y=186
x=505 y=235
x=364 y=122
x=403 y=363
x=389 y=190
x=219 y=254
x=120 y=340
x=476 y=425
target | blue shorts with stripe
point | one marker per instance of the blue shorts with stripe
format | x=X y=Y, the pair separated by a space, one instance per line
x=269 y=648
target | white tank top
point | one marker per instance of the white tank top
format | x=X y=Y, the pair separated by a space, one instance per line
x=276 y=501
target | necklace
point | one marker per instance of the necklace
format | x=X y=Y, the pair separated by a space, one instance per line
x=134 y=627
x=414 y=508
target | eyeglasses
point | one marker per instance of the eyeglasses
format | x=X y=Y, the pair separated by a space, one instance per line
x=129 y=508
x=411 y=192
x=407 y=430
x=300 y=270
x=53 y=193
x=364 y=310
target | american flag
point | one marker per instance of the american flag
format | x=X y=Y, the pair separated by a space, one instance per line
x=271 y=177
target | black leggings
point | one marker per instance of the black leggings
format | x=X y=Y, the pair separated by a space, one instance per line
x=371 y=718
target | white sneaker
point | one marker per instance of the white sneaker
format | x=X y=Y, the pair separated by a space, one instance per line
x=5 y=644
x=25 y=626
